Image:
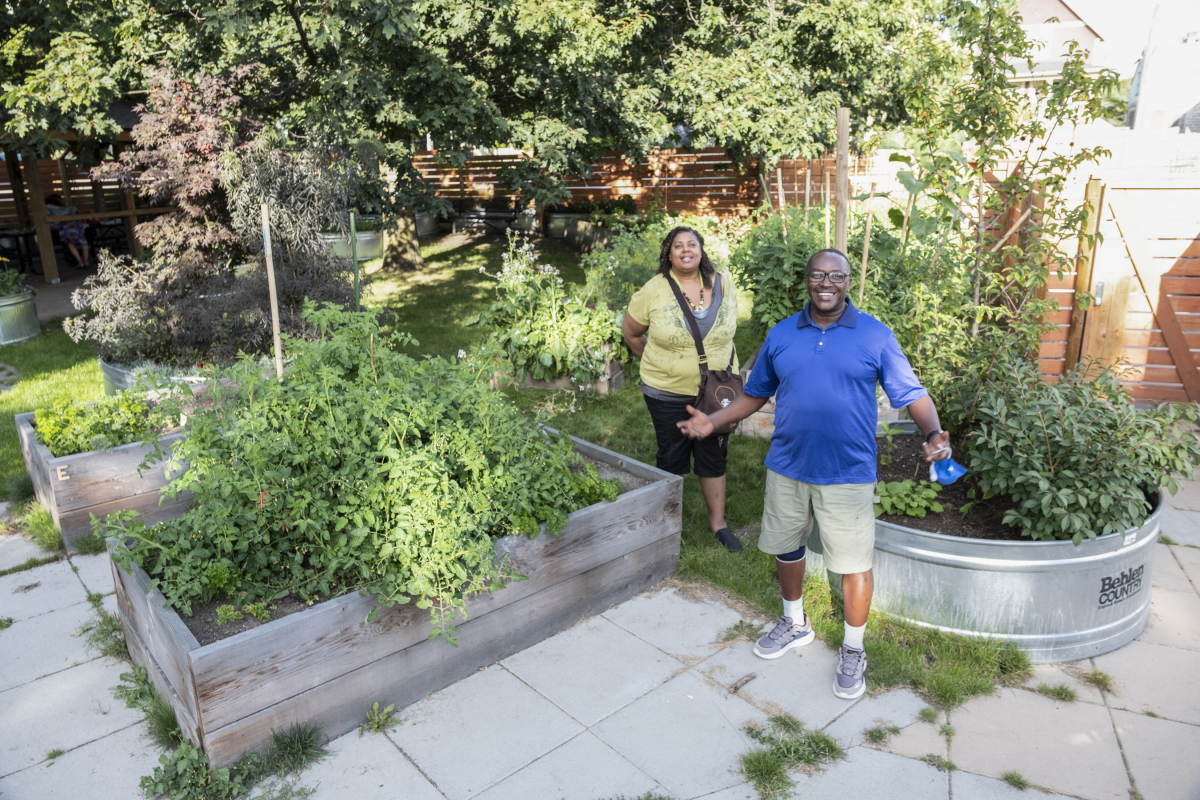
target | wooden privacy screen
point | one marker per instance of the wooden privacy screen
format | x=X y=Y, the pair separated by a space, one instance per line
x=1147 y=272
x=61 y=177
x=703 y=182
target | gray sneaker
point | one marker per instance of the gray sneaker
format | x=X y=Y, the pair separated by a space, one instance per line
x=783 y=637
x=850 y=681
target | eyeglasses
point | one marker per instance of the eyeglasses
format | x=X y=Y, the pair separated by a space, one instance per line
x=835 y=277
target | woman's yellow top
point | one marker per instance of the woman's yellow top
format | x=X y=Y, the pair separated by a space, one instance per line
x=670 y=362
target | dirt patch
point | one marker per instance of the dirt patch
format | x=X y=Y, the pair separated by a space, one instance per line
x=203 y=621
x=983 y=521
x=629 y=482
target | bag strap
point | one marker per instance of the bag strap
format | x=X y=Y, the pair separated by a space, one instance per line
x=690 y=318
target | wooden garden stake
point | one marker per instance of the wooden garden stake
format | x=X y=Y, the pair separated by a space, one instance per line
x=807 y=188
x=1084 y=261
x=826 y=173
x=782 y=199
x=354 y=257
x=266 y=226
x=862 y=287
x=842 y=178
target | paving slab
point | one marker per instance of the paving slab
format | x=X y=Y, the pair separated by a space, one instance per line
x=369 y=767
x=1187 y=498
x=39 y=591
x=1189 y=559
x=685 y=734
x=688 y=629
x=16 y=549
x=1174 y=620
x=105 y=769
x=918 y=740
x=799 y=682
x=1069 y=675
x=898 y=708
x=95 y=572
x=977 y=787
x=64 y=711
x=1182 y=526
x=593 y=669
x=1168 y=574
x=1161 y=755
x=743 y=791
x=44 y=645
x=1066 y=747
x=584 y=768
x=480 y=730
x=868 y=773
x=1160 y=689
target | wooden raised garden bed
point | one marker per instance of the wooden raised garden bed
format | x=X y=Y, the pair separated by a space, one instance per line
x=326 y=665
x=73 y=488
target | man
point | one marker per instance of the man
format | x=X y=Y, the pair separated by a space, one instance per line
x=822 y=366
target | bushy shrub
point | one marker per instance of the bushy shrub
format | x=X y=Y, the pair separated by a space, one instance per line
x=544 y=330
x=78 y=427
x=362 y=469
x=1077 y=457
x=11 y=281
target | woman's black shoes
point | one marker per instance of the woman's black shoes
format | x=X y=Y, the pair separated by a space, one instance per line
x=726 y=537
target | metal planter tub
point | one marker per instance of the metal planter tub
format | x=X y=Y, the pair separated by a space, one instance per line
x=370 y=244
x=118 y=379
x=18 y=318
x=427 y=224
x=1055 y=601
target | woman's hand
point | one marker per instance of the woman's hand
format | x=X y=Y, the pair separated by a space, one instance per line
x=698 y=427
x=634 y=331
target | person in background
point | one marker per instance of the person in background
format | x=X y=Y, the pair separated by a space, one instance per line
x=657 y=333
x=822 y=365
x=73 y=233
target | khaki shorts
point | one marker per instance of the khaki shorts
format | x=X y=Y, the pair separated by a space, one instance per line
x=844 y=512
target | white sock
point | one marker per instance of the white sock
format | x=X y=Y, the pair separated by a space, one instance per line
x=794 y=609
x=854 y=636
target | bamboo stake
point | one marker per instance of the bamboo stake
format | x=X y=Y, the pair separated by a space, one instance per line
x=907 y=213
x=354 y=257
x=842 y=179
x=978 y=258
x=807 y=188
x=826 y=174
x=782 y=200
x=862 y=287
x=266 y=226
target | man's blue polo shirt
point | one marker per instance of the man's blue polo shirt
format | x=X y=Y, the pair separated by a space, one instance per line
x=824 y=387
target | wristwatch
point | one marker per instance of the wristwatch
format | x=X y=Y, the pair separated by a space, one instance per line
x=929 y=436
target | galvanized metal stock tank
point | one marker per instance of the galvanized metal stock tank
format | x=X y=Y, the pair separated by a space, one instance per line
x=1055 y=601
x=118 y=379
x=18 y=318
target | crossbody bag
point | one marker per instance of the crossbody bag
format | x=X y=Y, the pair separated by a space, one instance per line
x=718 y=387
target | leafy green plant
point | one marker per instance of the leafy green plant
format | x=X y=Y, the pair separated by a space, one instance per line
x=786 y=746
x=228 y=613
x=139 y=693
x=889 y=434
x=11 y=282
x=947 y=730
x=39 y=526
x=77 y=427
x=259 y=611
x=940 y=763
x=5 y=623
x=910 y=498
x=545 y=331
x=105 y=635
x=928 y=714
x=90 y=544
x=1077 y=457
x=378 y=720
x=880 y=734
x=185 y=774
x=363 y=469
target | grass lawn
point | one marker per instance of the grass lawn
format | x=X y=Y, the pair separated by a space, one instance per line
x=53 y=370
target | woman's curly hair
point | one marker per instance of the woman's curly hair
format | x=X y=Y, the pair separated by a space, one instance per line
x=707 y=270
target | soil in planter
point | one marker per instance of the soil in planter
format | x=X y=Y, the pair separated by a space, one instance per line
x=203 y=622
x=983 y=521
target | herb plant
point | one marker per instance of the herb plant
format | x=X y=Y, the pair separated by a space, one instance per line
x=78 y=427
x=11 y=282
x=362 y=469
x=910 y=498
x=1078 y=457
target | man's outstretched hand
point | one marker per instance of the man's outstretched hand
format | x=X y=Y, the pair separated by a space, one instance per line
x=698 y=427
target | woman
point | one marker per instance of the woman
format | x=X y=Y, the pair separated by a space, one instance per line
x=73 y=233
x=657 y=333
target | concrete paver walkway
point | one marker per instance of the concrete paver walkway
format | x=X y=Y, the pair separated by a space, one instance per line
x=636 y=701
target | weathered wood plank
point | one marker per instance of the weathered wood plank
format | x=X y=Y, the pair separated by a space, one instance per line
x=140 y=655
x=161 y=629
x=340 y=705
x=152 y=506
x=265 y=665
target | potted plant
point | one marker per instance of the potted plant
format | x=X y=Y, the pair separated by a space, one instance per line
x=18 y=314
x=377 y=517
x=369 y=238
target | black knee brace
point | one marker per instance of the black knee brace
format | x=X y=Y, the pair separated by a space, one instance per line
x=788 y=558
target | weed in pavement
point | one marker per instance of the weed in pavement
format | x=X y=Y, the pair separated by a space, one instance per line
x=947 y=730
x=946 y=669
x=378 y=720
x=1100 y=679
x=53 y=754
x=29 y=563
x=139 y=693
x=94 y=597
x=786 y=746
x=1164 y=539
x=748 y=631
x=880 y=734
x=105 y=634
x=1151 y=714
x=39 y=526
x=939 y=763
x=1059 y=691
x=646 y=796
x=1015 y=780
x=20 y=488
x=294 y=749
x=928 y=714
x=90 y=545
x=5 y=623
